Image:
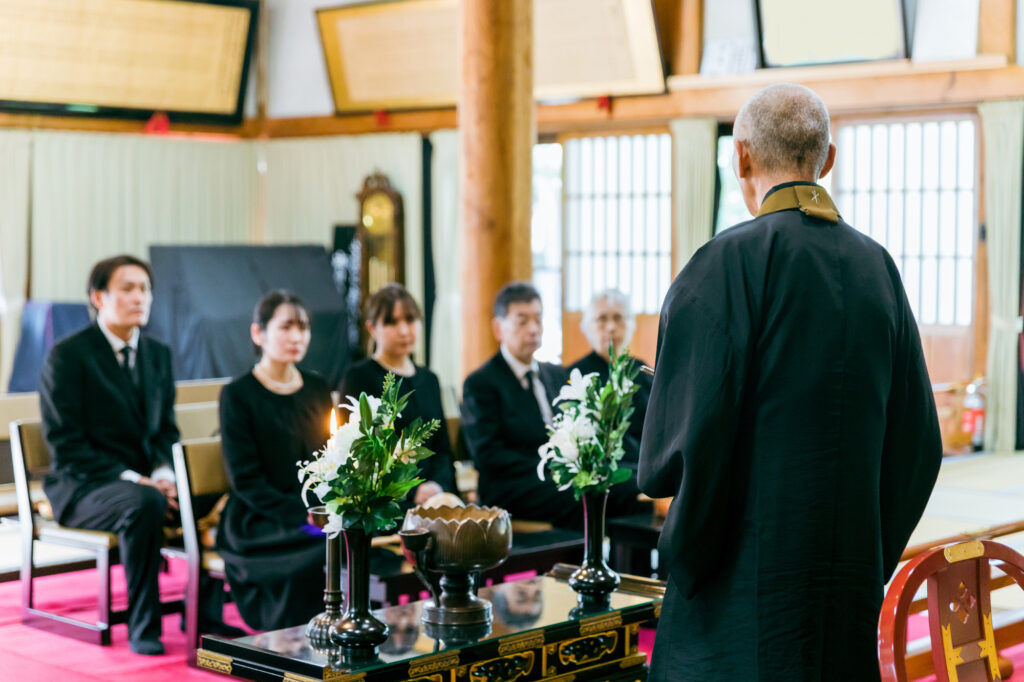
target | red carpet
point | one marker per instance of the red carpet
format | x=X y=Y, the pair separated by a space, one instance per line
x=30 y=655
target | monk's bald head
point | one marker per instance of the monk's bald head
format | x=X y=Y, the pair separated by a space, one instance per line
x=785 y=127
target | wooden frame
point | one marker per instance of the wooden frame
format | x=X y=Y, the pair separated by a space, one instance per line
x=899 y=50
x=436 y=69
x=128 y=111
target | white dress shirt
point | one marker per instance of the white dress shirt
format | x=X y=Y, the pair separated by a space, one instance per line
x=520 y=370
x=162 y=472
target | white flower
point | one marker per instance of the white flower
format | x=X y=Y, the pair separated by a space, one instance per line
x=334 y=525
x=568 y=448
x=626 y=385
x=583 y=429
x=576 y=389
x=405 y=451
x=353 y=407
x=321 y=490
x=339 y=447
x=318 y=472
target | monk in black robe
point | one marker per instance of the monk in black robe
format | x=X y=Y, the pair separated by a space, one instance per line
x=792 y=417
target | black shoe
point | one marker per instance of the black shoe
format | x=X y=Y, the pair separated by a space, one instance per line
x=146 y=646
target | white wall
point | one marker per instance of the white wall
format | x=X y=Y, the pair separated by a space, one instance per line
x=296 y=73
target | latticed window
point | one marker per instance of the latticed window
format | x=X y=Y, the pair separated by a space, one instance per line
x=912 y=186
x=618 y=218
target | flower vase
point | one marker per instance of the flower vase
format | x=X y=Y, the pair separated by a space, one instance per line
x=594 y=580
x=358 y=632
x=318 y=630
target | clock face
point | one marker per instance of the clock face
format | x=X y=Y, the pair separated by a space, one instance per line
x=379 y=214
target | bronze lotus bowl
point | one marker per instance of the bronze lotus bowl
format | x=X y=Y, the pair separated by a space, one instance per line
x=465 y=538
x=447 y=544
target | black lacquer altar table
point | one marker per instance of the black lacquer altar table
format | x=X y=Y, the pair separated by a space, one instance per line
x=537 y=634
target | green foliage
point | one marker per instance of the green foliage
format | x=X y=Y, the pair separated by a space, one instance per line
x=378 y=468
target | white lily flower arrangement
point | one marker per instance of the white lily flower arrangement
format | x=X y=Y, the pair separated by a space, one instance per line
x=584 y=444
x=367 y=466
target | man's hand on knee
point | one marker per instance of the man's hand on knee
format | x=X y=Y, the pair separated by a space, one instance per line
x=168 y=488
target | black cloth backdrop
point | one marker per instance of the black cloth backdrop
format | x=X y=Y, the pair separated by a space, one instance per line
x=203 y=299
x=43 y=324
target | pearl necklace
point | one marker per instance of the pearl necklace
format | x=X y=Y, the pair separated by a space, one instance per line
x=286 y=387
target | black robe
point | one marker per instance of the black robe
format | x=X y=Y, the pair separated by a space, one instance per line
x=631 y=442
x=368 y=376
x=793 y=419
x=275 y=569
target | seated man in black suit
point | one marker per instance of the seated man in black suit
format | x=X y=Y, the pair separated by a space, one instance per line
x=107 y=401
x=506 y=406
x=609 y=321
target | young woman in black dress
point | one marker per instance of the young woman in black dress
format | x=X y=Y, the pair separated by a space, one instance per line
x=270 y=418
x=394 y=321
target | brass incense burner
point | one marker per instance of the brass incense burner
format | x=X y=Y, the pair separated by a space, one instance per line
x=445 y=546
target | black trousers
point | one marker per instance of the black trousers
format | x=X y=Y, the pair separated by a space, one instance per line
x=138 y=513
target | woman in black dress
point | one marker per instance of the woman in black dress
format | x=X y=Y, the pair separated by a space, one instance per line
x=393 y=320
x=270 y=418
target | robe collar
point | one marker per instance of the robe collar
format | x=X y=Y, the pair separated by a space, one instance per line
x=808 y=197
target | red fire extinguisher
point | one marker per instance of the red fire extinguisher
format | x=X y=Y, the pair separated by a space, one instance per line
x=973 y=421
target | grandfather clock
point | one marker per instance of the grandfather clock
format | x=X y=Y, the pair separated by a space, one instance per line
x=381 y=234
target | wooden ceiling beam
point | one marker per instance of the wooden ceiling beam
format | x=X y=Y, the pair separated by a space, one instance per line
x=846 y=89
x=250 y=128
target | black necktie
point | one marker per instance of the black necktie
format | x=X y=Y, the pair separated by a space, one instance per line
x=126 y=367
x=529 y=380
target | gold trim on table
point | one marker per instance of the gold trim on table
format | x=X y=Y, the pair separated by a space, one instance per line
x=632 y=633
x=295 y=677
x=595 y=624
x=624 y=664
x=212 y=661
x=516 y=643
x=438 y=677
x=574 y=651
x=433 y=664
x=342 y=676
x=503 y=669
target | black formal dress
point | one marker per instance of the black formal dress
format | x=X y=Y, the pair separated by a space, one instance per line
x=593 y=362
x=99 y=421
x=504 y=429
x=792 y=417
x=274 y=567
x=367 y=376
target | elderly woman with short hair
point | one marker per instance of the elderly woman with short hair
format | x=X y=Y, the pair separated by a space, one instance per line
x=608 y=321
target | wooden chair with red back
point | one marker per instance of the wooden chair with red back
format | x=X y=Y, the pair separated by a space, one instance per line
x=964 y=642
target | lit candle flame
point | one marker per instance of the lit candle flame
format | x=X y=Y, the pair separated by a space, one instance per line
x=334 y=421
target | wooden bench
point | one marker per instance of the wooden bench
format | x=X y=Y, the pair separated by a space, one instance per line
x=197 y=420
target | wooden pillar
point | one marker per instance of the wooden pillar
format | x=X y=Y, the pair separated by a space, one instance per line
x=497 y=120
